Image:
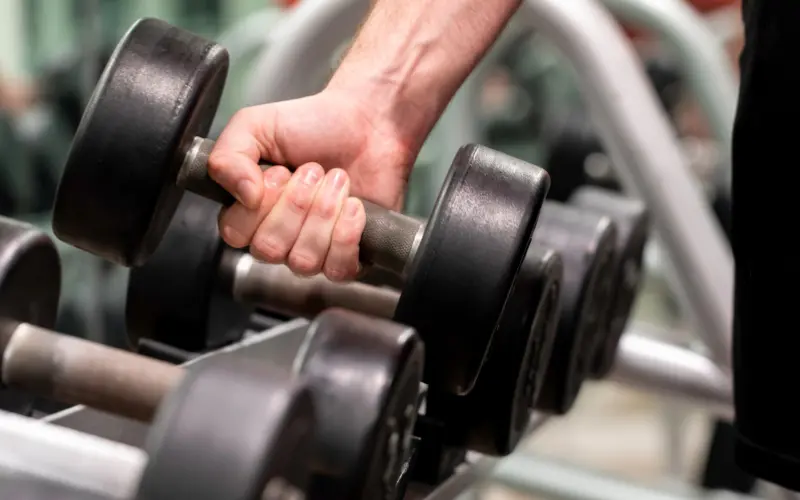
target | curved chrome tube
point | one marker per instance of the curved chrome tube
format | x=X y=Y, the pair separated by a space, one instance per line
x=640 y=140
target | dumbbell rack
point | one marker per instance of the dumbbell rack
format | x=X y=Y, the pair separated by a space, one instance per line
x=648 y=364
x=634 y=130
x=651 y=166
x=642 y=146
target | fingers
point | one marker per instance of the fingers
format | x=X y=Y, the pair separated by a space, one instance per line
x=233 y=163
x=238 y=225
x=306 y=220
x=308 y=253
x=279 y=231
x=342 y=261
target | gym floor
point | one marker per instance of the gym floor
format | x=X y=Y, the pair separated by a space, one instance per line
x=626 y=433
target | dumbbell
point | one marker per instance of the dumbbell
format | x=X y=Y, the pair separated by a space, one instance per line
x=364 y=374
x=586 y=243
x=170 y=296
x=232 y=429
x=139 y=147
x=632 y=221
x=493 y=417
x=30 y=286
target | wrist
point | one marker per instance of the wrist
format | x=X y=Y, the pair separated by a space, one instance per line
x=389 y=103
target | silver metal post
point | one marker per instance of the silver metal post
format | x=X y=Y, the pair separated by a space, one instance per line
x=299 y=60
x=36 y=449
x=704 y=61
x=630 y=119
x=637 y=134
x=672 y=371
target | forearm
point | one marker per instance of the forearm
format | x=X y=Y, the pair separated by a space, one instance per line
x=411 y=56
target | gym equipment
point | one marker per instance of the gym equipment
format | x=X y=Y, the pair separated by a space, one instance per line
x=575 y=156
x=177 y=297
x=121 y=212
x=493 y=417
x=364 y=372
x=621 y=103
x=258 y=420
x=510 y=379
x=586 y=243
x=246 y=430
x=30 y=284
x=632 y=224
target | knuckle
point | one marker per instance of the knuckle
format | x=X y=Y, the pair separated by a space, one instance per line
x=345 y=234
x=298 y=200
x=325 y=208
x=243 y=116
x=268 y=250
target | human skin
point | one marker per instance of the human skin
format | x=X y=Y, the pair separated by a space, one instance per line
x=356 y=139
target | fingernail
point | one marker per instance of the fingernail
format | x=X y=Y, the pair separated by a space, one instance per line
x=339 y=180
x=275 y=178
x=312 y=175
x=233 y=237
x=247 y=193
x=335 y=274
x=351 y=209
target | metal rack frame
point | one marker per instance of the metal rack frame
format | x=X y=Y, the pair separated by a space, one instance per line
x=635 y=131
x=638 y=136
x=678 y=373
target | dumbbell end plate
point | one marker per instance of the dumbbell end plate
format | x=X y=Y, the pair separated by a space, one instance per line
x=159 y=90
x=30 y=286
x=468 y=259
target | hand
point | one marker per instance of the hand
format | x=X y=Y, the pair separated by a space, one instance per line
x=311 y=219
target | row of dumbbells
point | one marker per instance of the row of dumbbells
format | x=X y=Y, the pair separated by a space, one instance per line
x=517 y=301
x=359 y=420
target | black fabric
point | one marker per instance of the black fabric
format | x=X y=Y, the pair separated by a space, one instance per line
x=721 y=471
x=765 y=195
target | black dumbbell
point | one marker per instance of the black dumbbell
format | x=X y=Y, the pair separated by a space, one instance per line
x=30 y=286
x=202 y=445
x=572 y=142
x=586 y=243
x=632 y=222
x=363 y=372
x=493 y=417
x=36 y=362
x=362 y=431
x=140 y=146
x=169 y=299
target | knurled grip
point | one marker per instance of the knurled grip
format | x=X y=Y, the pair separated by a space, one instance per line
x=389 y=238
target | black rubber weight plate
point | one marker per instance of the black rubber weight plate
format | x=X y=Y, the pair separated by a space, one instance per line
x=175 y=297
x=585 y=242
x=365 y=373
x=468 y=260
x=633 y=225
x=30 y=286
x=232 y=429
x=160 y=89
x=492 y=418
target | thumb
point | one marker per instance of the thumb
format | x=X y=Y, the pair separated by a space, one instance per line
x=233 y=163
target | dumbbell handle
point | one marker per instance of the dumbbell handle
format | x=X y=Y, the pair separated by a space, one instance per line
x=390 y=239
x=76 y=371
x=276 y=288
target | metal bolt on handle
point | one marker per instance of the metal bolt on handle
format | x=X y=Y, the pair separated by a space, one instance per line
x=390 y=239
